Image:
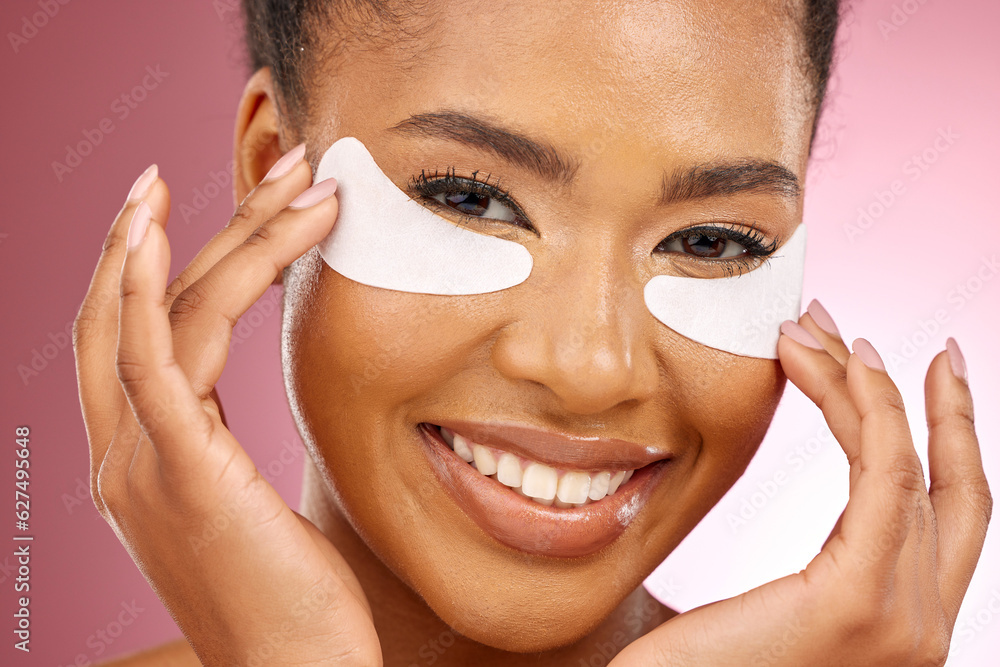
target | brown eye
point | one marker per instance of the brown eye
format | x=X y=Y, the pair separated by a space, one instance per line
x=477 y=205
x=704 y=245
x=467 y=202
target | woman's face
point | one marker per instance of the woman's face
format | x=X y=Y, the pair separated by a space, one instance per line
x=588 y=115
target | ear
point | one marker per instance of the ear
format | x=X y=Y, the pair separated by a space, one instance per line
x=257 y=143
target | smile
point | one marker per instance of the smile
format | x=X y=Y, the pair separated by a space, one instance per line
x=543 y=484
x=542 y=492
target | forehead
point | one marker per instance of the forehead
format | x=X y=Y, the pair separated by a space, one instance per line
x=699 y=78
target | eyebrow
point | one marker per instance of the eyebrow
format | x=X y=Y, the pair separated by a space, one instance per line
x=479 y=133
x=714 y=180
x=696 y=182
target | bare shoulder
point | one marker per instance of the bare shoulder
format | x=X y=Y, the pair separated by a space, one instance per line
x=173 y=654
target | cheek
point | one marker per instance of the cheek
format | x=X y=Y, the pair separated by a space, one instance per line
x=361 y=361
x=733 y=400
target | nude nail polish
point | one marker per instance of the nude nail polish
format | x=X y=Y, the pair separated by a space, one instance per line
x=285 y=163
x=142 y=184
x=137 y=228
x=315 y=194
x=822 y=318
x=957 y=360
x=867 y=354
x=796 y=332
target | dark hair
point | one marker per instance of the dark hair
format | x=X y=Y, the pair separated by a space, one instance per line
x=282 y=35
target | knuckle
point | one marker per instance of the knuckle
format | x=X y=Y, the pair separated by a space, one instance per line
x=188 y=303
x=108 y=495
x=113 y=244
x=260 y=237
x=132 y=375
x=960 y=419
x=243 y=215
x=890 y=400
x=906 y=472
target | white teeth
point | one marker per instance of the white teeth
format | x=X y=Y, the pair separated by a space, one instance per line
x=509 y=470
x=599 y=485
x=539 y=481
x=574 y=487
x=615 y=481
x=485 y=462
x=542 y=483
x=461 y=447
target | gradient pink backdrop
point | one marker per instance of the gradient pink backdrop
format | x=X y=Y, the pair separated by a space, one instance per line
x=892 y=95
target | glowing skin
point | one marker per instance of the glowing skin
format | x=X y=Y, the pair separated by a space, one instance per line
x=645 y=91
x=383 y=238
x=632 y=140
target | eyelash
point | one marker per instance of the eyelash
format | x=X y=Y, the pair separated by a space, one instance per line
x=436 y=183
x=753 y=240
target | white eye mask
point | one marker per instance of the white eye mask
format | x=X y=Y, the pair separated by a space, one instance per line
x=383 y=238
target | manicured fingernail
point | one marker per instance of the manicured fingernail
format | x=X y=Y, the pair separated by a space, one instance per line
x=315 y=194
x=137 y=228
x=867 y=354
x=957 y=360
x=142 y=184
x=795 y=331
x=286 y=163
x=822 y=318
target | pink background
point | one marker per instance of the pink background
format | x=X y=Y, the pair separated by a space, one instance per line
x=894 y=92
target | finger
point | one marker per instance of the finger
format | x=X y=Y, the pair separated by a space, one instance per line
x=95 y=330
x=289 y=176
x=881 y=511
x=817 y=321
x=158 y=392
x=959 y=491
x=824 y=380
x=203 y=315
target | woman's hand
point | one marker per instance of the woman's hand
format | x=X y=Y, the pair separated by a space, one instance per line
x=887 y=586
x=247 y=579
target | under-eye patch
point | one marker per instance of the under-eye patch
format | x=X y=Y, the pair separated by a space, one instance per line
x=383 y=238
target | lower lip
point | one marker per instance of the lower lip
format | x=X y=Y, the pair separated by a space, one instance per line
x=525 y=525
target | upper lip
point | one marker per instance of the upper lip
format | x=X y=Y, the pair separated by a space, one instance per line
x=560 y=450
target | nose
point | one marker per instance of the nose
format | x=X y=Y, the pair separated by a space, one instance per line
x=583 y=333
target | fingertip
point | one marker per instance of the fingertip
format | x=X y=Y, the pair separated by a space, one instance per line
x=138 y=226
x=800 y=335
x=957 y=360
x=868 y=355
x=144 y=183
x=822 y=318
